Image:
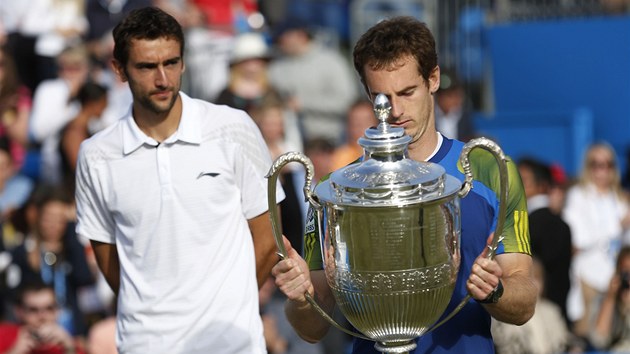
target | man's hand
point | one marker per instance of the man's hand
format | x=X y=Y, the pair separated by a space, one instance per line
x=54 y=334
x=25 y=342
x=292 y=275
x=484 y=275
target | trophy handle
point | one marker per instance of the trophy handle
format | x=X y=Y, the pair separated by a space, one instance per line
x=498 y=154
x=272 y=176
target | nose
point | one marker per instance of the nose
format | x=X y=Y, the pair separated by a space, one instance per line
x=397 y=108
x=161 y=79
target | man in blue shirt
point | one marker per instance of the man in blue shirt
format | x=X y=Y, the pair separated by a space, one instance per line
x=397 y=58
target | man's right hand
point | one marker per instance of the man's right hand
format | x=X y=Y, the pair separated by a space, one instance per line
x=292 y=275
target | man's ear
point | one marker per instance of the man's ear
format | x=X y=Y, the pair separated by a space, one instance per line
x=119 y=70
x=434 y=80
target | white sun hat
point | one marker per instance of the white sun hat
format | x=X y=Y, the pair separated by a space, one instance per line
x=249 y=45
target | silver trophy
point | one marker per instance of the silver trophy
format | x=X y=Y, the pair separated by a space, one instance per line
x=390 y=230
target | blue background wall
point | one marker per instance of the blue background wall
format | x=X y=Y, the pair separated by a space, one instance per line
x=551 y=76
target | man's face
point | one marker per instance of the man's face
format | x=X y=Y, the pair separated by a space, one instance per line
x=410 y=96
x=529 y=182
x=38 y=308
x=154 y=71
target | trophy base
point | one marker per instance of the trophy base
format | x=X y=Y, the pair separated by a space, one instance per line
x=395 y=347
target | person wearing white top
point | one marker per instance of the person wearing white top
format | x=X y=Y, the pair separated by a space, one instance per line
x=174 y=200
x=598 y=216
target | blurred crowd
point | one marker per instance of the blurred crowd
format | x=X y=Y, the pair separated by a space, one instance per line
x=57 y=89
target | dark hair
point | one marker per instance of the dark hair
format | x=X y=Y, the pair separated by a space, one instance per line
x=46 y=193
x=5 y=145
x=145 y=23
x=541 y=172
x=390 y=40
x=30 y=286
x=90 y=92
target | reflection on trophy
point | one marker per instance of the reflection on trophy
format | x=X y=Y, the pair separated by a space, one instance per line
x=390 y=234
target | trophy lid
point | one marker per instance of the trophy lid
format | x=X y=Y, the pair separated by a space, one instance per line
x=386 y=176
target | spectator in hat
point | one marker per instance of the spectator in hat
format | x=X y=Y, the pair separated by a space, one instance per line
x=249 y=83
x=317 y=80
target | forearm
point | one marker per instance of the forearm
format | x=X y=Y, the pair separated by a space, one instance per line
x=518 y=302
x=108 y=262
x=307 y=322
x=603 y=325
x=264 y=246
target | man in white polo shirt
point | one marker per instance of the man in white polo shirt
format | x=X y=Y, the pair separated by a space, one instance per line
x=174 y=200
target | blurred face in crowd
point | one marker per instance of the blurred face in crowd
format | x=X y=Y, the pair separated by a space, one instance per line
x=271 y=123
x=154 y=71
x=529 y=181
x=52 y=221
x=601 y=167
x=38 y=308
x=360 y=118
x=409 y=94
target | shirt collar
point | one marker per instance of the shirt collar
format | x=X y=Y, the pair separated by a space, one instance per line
x=189 y=129
x=537 y=202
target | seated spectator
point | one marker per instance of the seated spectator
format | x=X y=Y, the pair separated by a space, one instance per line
x=38 y=330
x=52 y=253
x=612 y=327
x=545 y=333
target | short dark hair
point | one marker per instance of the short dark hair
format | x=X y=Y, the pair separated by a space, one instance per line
x=541 y=172
x=30 y=286
x=91 y=92
x=145 y=23
x=390 y=40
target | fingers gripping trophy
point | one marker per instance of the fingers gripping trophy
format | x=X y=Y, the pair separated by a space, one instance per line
x=391 y=234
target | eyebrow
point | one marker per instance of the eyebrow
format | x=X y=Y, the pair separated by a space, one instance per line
x=403 y=90
x=147 y=64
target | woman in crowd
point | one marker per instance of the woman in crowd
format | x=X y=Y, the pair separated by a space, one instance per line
x=598 y=215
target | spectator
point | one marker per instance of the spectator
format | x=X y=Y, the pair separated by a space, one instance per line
x=51 y=253
x=360 y=117
x=249 y=84
x=15 y=107
x=54 y=105
x=316 y=79
x=598 y=215
x=545 y=333
x=612 y=328
x=38 y=331
x=269 y=115
x=93 y=100
x=14 y=188
x=550 y=235
x=452 y=108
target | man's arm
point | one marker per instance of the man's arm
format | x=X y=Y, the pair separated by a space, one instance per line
x=107 y=260
x=264 y=246
x=518 y=302
x=294 y=280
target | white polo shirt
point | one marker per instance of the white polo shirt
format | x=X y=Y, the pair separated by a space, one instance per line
x=178 y=212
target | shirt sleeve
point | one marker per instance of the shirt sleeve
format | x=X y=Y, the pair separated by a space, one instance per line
x=516 y=227
x=94 y=221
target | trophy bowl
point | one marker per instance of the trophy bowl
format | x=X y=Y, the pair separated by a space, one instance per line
x=389 y=230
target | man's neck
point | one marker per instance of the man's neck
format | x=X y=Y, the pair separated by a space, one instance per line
x=425 y=147
x=158 y=126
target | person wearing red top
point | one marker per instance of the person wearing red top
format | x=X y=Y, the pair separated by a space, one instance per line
x=37 y=332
